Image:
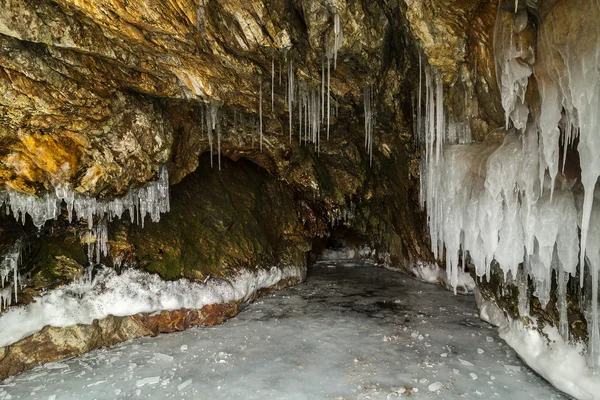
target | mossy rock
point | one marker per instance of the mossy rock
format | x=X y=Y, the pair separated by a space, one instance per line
x=220 y=221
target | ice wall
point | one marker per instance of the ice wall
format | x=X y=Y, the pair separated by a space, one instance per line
x=507 y=201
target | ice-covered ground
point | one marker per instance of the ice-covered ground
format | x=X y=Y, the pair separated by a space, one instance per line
x=351 y=332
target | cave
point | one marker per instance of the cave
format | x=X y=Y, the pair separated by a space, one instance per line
x=299 y=199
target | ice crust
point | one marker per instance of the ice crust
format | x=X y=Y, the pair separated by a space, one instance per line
x=130 y=293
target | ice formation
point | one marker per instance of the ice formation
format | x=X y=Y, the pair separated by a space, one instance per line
x=368 y=98
x=338 y=37
x=212 y=124
x=152 y=199
x=260 y=116
x=9 y=268
x=314 y=108
x=503 y=202
x=545 y=351
x=313 y=104
x=130 y=293
x=290 y=94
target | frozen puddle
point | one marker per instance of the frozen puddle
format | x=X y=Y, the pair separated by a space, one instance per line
x=350 y=332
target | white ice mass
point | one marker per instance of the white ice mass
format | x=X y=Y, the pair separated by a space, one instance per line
x=130 y=293
x=504 y=201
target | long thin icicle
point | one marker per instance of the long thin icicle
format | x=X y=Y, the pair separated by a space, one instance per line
x=260 y=124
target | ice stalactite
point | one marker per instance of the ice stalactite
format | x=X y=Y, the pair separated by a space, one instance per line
x=9 y=268
x=219 y=144
x=512 y=72
x=152 y=199
x=97 y=245
x=290 y=95
x=260 y=116
x=368 y=99
x=212 y=121
x=503 y=202
x=201 y=17
x=323 y=91
x=338 y=38
x=328 y=95
x=309 y=119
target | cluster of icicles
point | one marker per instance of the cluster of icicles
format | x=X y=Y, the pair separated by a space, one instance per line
x=151 y=199
x=9 y=267
x=313 y=103
x=503 y=202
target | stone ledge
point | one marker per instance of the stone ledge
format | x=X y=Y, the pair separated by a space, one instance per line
x=53 y=344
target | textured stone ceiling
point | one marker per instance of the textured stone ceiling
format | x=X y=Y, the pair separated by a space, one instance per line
x=93 y=92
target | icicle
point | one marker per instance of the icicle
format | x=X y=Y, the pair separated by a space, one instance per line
x=290 y=94
x=338 y=36
x=219 y=144
x=369 y=121
x=152 y=198
x=10 y=266
x=328 y=95
x=260 y=114
x=201 y=17
x=419 y=101
x=300 y=132
x=209 y=130
x=322 y=90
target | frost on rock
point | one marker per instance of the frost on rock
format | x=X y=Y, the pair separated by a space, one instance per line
x=503 y=202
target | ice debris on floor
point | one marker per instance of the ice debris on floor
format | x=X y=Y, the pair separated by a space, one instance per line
x=320 y=340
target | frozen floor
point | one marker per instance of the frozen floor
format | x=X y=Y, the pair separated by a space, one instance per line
x=350 y=332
